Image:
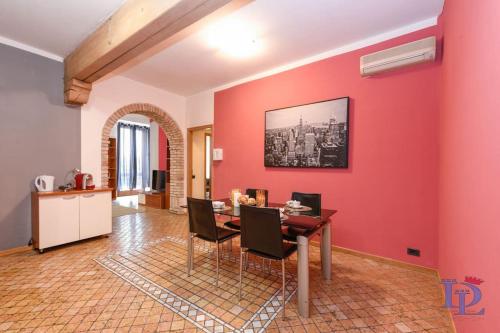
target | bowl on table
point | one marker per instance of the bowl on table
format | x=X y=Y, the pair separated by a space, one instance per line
x=243 y=199
x=218 y=204
x=293 y=204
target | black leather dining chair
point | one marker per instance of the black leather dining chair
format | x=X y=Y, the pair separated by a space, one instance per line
x=261 y=236
x=312 y=200
x=202 y=225
x=252 y=193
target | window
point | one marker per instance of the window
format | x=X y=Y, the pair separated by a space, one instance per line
x=133 y=156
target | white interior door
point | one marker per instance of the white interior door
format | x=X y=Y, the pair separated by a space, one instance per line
x=198 y=164
x=59 y=220
x=95 y=214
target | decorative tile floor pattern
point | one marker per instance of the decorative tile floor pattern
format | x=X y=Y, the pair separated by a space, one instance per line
x=66 y=290
x=164 y=262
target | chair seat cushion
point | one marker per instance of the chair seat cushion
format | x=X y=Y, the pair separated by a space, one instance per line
x=233 y=224
x=223 y=235
x=290 y=234
x=290 y=248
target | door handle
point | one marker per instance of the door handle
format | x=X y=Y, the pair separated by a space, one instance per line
x=88 y=195
x=69 y=198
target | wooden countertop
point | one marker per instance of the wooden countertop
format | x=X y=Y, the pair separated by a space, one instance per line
x=71 y=192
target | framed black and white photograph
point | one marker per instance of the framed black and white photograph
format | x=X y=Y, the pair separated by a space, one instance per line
x=312 y=135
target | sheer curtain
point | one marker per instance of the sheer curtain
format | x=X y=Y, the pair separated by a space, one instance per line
x=142 y=156
x=133 y=156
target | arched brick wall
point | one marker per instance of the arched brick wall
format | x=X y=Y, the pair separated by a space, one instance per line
x=174 y=136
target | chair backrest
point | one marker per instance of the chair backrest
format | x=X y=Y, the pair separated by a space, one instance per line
x=261 y=230
x=252 y=193
x=312 y=200
x=202 y=219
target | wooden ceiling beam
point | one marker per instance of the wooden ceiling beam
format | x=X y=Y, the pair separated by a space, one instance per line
x=137 y=27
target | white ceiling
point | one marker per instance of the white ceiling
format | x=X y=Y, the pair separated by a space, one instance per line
x=290 y=30
x=53 y=26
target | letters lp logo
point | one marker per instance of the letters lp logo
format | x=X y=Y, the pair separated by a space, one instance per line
x=467 y=294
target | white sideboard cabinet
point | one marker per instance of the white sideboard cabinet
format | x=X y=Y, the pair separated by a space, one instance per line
x=63 y=217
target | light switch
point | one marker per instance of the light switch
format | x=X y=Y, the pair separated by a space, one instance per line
x=217 y=154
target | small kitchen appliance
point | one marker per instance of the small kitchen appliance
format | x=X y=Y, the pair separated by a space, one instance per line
x=44 y=183
x=84 y=181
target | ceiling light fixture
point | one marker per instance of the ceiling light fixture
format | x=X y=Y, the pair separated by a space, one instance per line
x=234 y=38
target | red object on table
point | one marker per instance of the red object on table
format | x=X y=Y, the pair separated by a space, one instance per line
x=84 y=181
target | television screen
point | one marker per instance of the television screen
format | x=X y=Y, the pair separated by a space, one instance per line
x=158 y=183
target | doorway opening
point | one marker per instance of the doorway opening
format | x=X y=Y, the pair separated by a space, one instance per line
x=139 y=163
x=172 y=160
x=199 y=159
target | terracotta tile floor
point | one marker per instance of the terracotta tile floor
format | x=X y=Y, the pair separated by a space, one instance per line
x=135 y=281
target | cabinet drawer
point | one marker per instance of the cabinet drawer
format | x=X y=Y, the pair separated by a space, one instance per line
x=58 y=220
x=95 y=214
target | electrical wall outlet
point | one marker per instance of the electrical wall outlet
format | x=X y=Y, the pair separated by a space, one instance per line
x=413 y=252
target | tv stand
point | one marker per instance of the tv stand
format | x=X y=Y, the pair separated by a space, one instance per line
x=160 y=200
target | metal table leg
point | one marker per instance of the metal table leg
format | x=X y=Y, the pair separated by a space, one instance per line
x=326 y=252
x=230 y=241
x=303 y=276
x=190 y=253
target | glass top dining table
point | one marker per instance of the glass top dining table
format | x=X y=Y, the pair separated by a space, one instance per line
x=302 y=219
x=310 y=226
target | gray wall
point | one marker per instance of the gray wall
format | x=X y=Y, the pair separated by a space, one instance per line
x=38 y=135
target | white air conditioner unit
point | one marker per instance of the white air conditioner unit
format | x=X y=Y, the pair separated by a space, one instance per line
x=423 y=50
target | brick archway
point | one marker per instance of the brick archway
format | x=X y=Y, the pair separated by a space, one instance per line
x=174 y=136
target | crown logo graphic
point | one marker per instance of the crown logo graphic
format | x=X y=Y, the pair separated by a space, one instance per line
x=473 y=280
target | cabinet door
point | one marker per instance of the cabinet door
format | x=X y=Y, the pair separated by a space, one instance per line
x=59 y=220
x=95 y=214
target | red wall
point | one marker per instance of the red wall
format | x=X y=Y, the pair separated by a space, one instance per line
x=387 y=199
x=469 y=234
x=162 y=150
